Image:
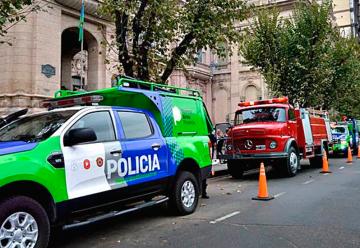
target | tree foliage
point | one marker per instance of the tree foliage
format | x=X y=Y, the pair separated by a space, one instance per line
x=14 y=11
x=304 y=57
x=154 y=37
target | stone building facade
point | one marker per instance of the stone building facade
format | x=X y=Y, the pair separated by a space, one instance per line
x=44 y=48
x=45 y=57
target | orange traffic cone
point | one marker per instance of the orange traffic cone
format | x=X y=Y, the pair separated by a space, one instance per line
x=263 y=194
x=349 y=157
x=358 y=155
x=325 y=167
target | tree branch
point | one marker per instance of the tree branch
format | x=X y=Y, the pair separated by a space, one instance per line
x=121 y=23
x=138 y=28
x=148 y=39
x=179 y=51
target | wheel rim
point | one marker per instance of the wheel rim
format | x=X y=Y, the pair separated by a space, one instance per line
x=188 y=194
x=293 y=162
x=19 y=230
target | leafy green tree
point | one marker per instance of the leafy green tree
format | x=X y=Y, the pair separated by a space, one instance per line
x=292 y=53
x=153 y=37
x=305 y=58
x=343 y=93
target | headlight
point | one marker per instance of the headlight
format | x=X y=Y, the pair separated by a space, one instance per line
x=273 y=144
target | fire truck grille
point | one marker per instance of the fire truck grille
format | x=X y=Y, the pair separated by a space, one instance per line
x=248 y=144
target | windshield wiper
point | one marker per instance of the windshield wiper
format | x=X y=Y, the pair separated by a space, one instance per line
x=12 y=117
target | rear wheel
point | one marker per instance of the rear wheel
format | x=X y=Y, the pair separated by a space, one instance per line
x=235 y=169
x=23 y=223
x=292 y=163
x=185 y=194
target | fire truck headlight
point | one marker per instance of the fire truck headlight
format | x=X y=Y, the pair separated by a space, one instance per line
x=273 y=144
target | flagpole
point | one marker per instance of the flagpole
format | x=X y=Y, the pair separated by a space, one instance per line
x=81 y=38
x=82 y=78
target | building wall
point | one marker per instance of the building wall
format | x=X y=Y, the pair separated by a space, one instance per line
x=37 y=42
x=223 y=82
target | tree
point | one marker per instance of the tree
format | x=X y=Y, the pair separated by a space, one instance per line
x=154 y=37
x=343 y=93
x=305 y=58
x=292 y=53
x=14 y=11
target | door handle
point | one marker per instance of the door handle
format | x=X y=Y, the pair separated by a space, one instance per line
x=156 y=146
x=117 y=151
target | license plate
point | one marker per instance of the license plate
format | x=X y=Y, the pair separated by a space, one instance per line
x=260 y=147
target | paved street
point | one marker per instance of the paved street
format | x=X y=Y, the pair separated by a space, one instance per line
x=310 y=210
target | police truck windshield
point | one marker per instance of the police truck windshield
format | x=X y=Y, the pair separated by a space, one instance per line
x=266 y=114
x=35 y=128
x=339 y=129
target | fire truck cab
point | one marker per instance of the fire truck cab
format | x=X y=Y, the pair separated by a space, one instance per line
x=274 y=132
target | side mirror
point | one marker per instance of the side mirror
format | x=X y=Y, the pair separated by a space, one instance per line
x=78 y=136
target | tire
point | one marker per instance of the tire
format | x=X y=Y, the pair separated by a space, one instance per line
x=291 y=163
x=185 y=194
x=24 y=209
x=235 y=169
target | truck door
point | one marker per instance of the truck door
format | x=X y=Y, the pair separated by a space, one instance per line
x=144 y=148
x=292 y=124
x=85 y=164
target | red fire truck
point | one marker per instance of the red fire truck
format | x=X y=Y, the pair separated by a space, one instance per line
x=274 y=132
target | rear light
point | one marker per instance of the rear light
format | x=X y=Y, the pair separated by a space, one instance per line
x=260 y=102
x=85 y=100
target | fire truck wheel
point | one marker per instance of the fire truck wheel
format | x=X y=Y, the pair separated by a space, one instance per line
x=292 y=163
x=235 y=169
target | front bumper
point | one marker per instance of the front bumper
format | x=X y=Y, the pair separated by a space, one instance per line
x=340 y=148
x=273 y=155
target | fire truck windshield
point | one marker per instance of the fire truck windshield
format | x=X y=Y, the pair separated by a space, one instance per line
x=265 y=114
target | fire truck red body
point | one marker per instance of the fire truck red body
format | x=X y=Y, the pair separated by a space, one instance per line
x=274 y=132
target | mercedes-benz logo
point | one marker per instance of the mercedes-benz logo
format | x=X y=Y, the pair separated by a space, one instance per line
x=248 y=144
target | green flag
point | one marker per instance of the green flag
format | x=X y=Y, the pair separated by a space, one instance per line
x=82 y=21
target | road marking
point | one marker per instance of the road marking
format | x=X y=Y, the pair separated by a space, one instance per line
x=342 y=167
x=309 y=181
x=225 y=217
x=280 y=194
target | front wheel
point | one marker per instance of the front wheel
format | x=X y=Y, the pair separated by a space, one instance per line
x=185 y=194
x=23 y=223
x=292 y=163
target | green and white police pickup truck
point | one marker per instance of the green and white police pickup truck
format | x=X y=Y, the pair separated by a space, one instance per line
x=108 y=152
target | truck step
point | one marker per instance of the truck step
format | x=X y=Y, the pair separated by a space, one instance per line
x=113 y=214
